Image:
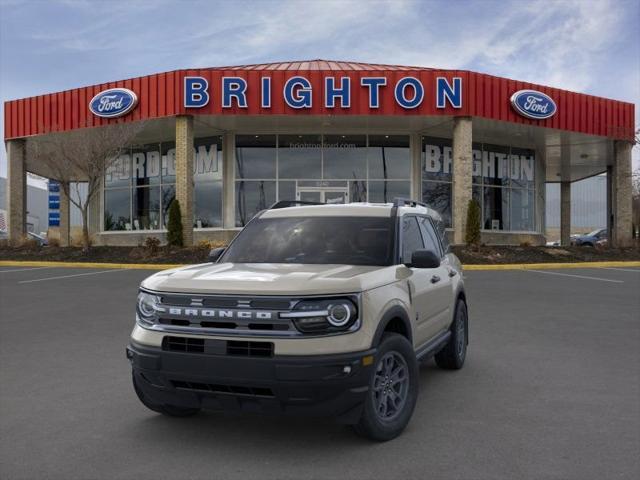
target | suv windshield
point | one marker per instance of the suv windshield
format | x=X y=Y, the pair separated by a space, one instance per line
x=321 y=240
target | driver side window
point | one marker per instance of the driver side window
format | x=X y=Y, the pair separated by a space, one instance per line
x=411 y=238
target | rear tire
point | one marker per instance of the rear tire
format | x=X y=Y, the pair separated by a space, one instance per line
x=452 y=356
x=393 y=390
x=169 y=410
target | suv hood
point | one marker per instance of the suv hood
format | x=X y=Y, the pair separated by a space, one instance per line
x=270 y=278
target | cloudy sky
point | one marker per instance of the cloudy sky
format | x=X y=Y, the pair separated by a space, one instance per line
x=582 y=45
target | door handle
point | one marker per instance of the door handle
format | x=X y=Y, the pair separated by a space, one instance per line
x=452 y=272
x=435 y=279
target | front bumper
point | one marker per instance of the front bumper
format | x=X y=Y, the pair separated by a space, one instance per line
x=318 y=385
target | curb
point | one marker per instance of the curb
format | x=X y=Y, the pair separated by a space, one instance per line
x=550 y=266
x=129 y=266
x=164 y=266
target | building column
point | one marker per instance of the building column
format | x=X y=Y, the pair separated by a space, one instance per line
x=621 y=185
x=65 y=218
x=415 y=147
x=228 y=180
x=565 y=213
x=184 y=174
x=462 y=175
x=16 y=191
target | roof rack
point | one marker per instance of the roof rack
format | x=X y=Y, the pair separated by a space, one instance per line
x=292 y=203
x=407 y=202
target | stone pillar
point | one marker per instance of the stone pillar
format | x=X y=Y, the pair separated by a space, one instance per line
x=565 y=213
x=610 y=203
x=462 y=175
x=184 y=174
x=415 y=147
x=16 y=191
x=65 y=216
x=228 y=180
x=621 y=184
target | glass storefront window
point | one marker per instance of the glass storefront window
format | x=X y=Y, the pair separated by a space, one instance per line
x=251 y=197
x=496 y=172
x=345 y=157
x=437 y=195
x=522 y=209
x=151 y=170
x=496 y=208
x=146 y=208
x=117 y=204
x=300 y=156
x=384 y=192
x=256 y=156
x=207 y=207
x=389 y=157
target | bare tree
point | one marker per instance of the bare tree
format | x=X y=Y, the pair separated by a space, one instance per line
x=84 y=156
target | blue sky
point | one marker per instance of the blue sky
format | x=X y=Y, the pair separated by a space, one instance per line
x=582 y=45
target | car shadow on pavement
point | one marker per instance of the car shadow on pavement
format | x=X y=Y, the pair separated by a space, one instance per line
x=278 y=434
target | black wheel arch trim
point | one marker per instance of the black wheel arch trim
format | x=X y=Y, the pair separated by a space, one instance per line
x=462 y=297
x=391 y=314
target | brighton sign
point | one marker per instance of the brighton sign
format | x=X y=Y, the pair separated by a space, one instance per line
x=533 y=104
x=408 y=92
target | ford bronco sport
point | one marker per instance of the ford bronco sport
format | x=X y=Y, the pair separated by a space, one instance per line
x=312 y=309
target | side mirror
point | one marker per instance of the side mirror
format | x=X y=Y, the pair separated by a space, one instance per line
x=424 y=259
x=215 y=254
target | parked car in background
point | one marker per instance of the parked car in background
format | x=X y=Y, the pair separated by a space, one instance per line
x=590 y=239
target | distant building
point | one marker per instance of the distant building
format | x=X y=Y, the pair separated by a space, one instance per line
x=37 y=206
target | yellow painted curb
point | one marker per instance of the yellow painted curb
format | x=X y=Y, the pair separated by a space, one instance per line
x=164 y=266
x=131 y=266
x=550 y=266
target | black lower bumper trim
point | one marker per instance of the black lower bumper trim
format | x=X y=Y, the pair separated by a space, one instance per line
x=323 y=385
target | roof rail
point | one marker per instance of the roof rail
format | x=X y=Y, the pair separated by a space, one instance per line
x=407 y=202
x=292 y=203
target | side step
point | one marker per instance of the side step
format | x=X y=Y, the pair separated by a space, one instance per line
x=433 y=346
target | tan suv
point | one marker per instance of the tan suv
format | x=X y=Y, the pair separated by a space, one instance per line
x=313 y=309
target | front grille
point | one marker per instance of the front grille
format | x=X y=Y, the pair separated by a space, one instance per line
x=217 y=347
x=229 y=389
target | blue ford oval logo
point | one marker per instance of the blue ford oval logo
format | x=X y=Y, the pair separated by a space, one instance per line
x=533 y=104
x=114 y=102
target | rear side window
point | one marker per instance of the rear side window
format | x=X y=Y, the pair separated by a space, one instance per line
x=429 y=236
x=411 y=238
x=442 y=234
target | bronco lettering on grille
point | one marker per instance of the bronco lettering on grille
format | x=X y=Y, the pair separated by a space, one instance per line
x=213 y=313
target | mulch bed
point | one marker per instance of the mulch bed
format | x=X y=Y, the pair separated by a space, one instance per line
x=482 y=255
x=488 y=255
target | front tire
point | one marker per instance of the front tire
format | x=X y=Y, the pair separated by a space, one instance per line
x=393 y=390
x=169 y=410
x=452 y=356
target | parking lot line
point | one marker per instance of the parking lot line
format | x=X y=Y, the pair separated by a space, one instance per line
x=23 y=269
x=68 y=276
x=577 y=276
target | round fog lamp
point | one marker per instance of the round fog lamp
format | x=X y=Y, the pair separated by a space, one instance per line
x=339 y=314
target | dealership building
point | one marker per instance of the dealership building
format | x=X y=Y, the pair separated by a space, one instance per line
x=228 y=142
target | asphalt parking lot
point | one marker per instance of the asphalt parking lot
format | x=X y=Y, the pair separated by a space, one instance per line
x=551 y=389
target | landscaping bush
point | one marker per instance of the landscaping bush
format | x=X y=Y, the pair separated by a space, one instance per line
x=152 y=245
x=472 y=235
x=174 y=226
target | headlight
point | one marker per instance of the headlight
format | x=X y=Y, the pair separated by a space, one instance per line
x=146 y=307
x=323 y=316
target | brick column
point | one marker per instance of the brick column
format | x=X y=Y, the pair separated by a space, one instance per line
x=462 y=174
x=228 y=180
x=621 y=184
x=565 y=213
x=184 y=174
x=16 y=191
x=65 y=218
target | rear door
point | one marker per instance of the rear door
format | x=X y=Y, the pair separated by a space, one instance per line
x=441 y=295
x=422 y=282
